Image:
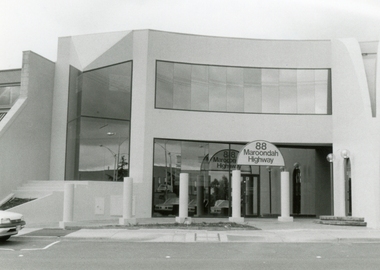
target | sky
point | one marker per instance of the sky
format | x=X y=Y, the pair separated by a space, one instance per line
x=36 y=25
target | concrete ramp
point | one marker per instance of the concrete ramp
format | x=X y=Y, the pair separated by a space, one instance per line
x=38 y=189
x=43 y=209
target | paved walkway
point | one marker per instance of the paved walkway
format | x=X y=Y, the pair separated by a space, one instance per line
x=269 y=230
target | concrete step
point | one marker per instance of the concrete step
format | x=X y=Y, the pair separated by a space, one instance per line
x=342 y=221
x=341 y=218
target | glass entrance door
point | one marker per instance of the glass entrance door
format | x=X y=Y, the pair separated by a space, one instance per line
x=250 y=193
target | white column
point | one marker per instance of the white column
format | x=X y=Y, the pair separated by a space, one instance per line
x=285 y=198
x=339 y=188
x=183 y=198
x=68 y=204
x=236 y=197
x=127 y=202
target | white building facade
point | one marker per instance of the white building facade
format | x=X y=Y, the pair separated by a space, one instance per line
x=150 y=105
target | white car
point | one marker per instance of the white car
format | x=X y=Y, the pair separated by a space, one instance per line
x=168 y=206
x=164 y=187
x=220 y=207
x=10 y=224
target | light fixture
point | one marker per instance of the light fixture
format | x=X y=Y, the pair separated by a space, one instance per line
x=345 y=153
x=330 y=157
x=110 y=133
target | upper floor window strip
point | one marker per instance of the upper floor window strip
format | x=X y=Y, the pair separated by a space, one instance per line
x=196 y=87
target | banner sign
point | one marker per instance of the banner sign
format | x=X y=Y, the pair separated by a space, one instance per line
x=260 y=153
x=223 y=160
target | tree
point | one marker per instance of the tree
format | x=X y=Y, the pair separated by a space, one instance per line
x=121 y=172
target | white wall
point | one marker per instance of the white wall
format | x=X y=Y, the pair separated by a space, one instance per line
x=81 y=52
x=357 y=131
x=145 y=47
x=149 y=123
x=25 y=131
x=48 y=209
x=95 y=200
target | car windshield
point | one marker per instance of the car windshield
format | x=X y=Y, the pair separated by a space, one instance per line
x=193 y=203
x=221 y=203
x=172 y=201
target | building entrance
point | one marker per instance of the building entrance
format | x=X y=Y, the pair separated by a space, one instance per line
x=250 y=193
x=210 y=166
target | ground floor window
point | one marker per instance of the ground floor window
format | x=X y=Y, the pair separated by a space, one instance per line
x=98 y=149
x=210 y=165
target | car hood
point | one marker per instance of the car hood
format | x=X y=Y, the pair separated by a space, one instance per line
x=10 y=215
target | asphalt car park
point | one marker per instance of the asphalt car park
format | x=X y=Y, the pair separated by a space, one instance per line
x=28 y=244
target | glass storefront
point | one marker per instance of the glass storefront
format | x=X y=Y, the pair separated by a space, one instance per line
x=210 y=165
x=194 y=87
x=99 y=123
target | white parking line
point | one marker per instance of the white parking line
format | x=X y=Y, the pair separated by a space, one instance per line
x=43 y=247
x=7 y=249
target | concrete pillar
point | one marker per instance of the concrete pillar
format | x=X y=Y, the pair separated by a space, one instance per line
x=285 y=198
x=68 y=204
x=183 y=198
x=339 y=188
x=236 y=197
x=127 y=202
x=200 y=196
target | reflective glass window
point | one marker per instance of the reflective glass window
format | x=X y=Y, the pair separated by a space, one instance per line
x=165 y=74
x=321 y=91
x=305 y=91
x=75 y=93
x=252 y=90
x=182 y=87
x=104 y=144
x=288 y=91
x=235 y=90
x=199 y=88
x=99 y=123
x=209 y=166
x=217 y=88
x=270 y=91
x=242 y=90
x=103 y=89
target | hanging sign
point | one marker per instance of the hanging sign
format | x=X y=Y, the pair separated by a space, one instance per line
x=260 y=153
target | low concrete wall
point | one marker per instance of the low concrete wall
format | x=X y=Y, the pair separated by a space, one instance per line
x=92 y=201
x=97 y=200
x=43 y=210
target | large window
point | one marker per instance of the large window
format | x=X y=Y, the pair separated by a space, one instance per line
x=244 y=90
x=99 y=123
x=209 y=166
